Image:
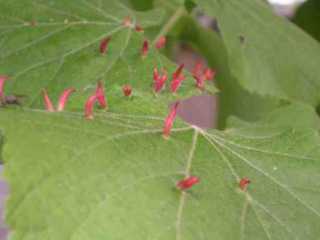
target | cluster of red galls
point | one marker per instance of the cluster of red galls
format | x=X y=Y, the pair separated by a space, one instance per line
x=199 y=73
x=99 y=97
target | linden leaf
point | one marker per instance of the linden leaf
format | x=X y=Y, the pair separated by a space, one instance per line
x=267 y=54
x=114 y=178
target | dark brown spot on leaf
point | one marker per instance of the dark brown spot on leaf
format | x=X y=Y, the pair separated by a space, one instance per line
x=242 y=39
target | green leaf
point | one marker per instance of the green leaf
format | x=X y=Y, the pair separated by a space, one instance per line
x=56 y=45
x=294 y=115
x=308 y=17
x=115 y=177
x=267 y=54
x=142 y=5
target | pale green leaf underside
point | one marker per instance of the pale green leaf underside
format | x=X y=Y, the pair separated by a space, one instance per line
x=114 y=178
x=267 y=54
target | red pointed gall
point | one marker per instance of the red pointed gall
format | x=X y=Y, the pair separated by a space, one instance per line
x=3 y=79
x=159 y=80
x=88 y=108
x=161 y=42
x=176 y=83
x=145 y=48
x=100 y=95
x=64 y=98
x=243 y=184
x=168 y=123
x=200 y=81
x=47 y=102
x=197 y=70
x=209 y=74
x=178 y=72
x=188 y=182
x=177 y=78
x=155 y=74
x=127 y=90
x=104 y=45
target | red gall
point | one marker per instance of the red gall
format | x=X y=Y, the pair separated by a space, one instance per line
x=145 y=48
x=188 y=182
x=100 y=95
x=3 y=79
x=176 y=83
x=209 y=74
x=159 y=80
x=177 y=78
x=168 y=123
x=197 y=70
x=47 y=102
x=161 y=42
x=201 y=75
x=200 y=81
x=155 y=74
x=127 y=90
x=88 y=108
x=64 y=98
x=243 y=184
x=178 y=71
x=104 y=45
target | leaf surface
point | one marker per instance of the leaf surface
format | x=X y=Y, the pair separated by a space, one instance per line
x=115 y=177
x=267 y=54
x=56 y=45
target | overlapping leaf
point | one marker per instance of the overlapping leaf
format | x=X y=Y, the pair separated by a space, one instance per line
x=307 y=17
x=267 y=54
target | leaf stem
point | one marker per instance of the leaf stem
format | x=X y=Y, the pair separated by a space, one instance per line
x=183 y=193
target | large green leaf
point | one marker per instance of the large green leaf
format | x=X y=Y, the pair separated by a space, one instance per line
x=267 y=54
x=114 y=178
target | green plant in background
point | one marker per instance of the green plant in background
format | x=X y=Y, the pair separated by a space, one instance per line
x=308 y=17
x=115 y=176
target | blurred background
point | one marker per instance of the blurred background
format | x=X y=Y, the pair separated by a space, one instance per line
x=304 y=13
